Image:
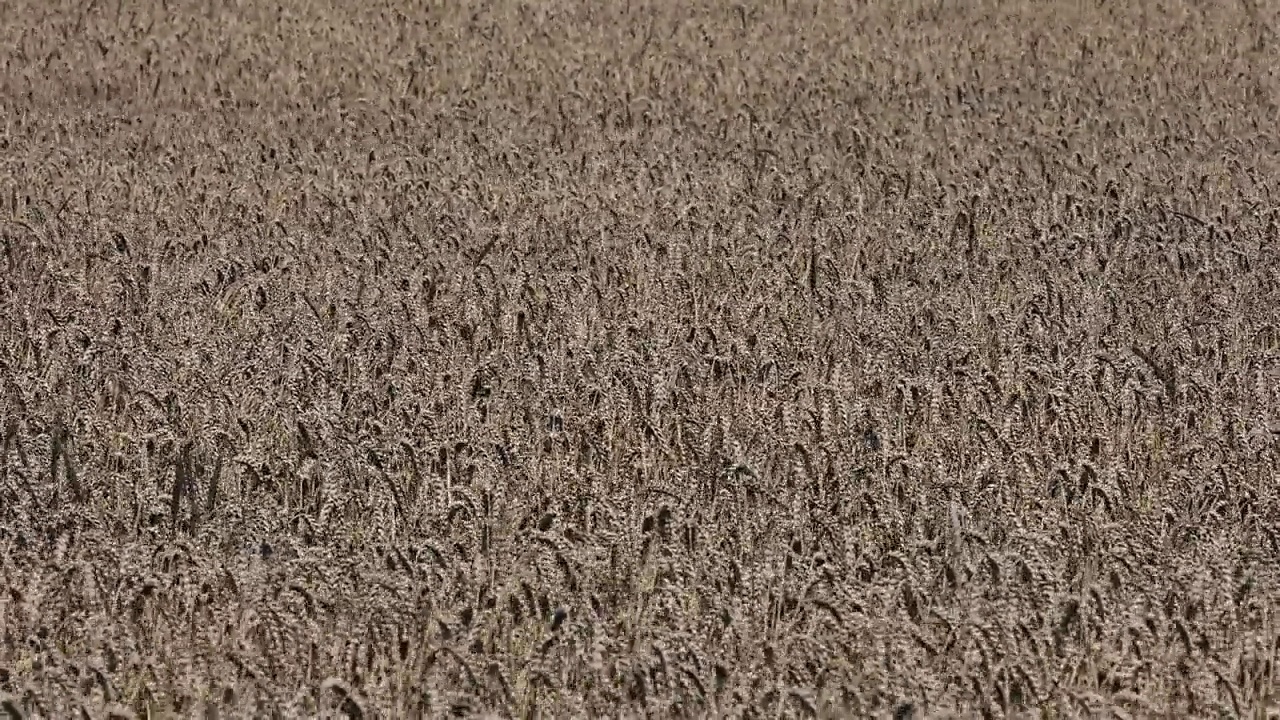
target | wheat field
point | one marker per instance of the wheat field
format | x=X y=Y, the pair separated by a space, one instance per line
x=639 y=359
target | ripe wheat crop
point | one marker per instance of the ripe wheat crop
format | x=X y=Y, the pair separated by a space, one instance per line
x=639 y=359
